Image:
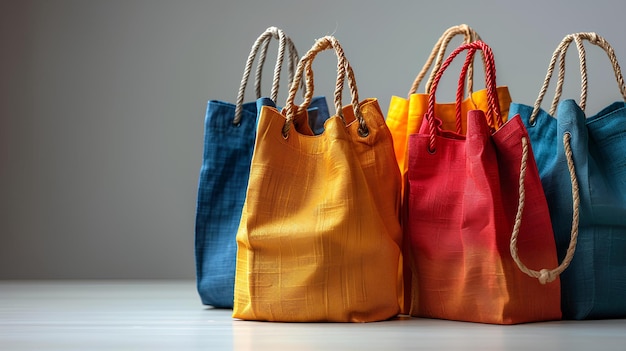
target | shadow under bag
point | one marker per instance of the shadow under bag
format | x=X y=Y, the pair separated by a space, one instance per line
x=229 y=134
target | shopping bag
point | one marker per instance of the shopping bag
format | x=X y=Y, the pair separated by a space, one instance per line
x=591 y=200
x=319 y=238
x=228 y=144
x=478 y=217
x=405 y=116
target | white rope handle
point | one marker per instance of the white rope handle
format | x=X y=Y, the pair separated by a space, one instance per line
x=343 y=69
x=270 y=32
x=292 y=59
x=582 y=59
x=544 y=275
x=560 y=54
x=438 y=53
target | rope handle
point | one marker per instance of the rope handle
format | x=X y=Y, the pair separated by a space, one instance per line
x=292 y=60
x=559 y=53
x=493 y=112
x=544 y=275
x=339 y=85
x=490 y=77
x=439 y=51
x=582 y=59
x=343 y=69
x=262 y=44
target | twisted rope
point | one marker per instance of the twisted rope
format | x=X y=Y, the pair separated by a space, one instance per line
x=544 y=275
x=261 y=40
x=582 y=59
x=490 y=76
x=258 y=74
x=343 y=69
x=470 y=35
x=292 y=59
x=493 y=112
x=439 y=51
x=560 y=54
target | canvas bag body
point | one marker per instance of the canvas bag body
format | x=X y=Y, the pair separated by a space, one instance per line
x=594 y=285
x=223 y=180
x=405 y=116
x=319 y=238
x=462 y=204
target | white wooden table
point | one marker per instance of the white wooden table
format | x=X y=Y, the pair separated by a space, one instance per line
x=168 y=315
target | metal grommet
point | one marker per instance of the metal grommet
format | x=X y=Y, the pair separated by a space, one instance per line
x=363 y=132
x=567 y=136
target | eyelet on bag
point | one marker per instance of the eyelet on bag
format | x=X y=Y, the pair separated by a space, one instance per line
x=567 y=136
x=284 y=131
x=432 y=152
x=363 y=132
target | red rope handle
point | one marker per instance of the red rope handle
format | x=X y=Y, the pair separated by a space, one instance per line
x=493 y=113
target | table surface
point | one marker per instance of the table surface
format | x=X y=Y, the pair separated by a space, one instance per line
x=168 y=315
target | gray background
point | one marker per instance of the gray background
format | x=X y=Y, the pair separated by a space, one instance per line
x=102 y=105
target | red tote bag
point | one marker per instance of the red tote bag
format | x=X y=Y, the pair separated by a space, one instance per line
x=477 y=215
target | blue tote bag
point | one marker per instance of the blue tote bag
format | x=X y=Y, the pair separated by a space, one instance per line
x=582 y=165
x=229 y=135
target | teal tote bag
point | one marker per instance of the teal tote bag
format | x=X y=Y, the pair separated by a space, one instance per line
x=582 y=165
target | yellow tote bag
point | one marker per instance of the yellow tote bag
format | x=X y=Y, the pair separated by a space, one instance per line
x=319 y=237
x=404 y=116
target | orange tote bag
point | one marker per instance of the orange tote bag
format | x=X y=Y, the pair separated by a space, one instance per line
x=478 y=217
x=319 y=238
